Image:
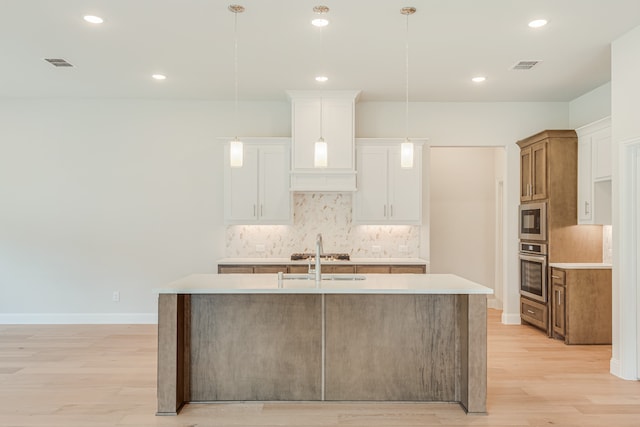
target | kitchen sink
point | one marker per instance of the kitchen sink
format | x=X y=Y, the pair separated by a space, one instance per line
x=290 y=276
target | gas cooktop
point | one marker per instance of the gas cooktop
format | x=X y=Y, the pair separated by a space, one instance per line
x=327 y=257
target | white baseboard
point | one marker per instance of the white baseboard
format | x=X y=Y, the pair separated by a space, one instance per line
x=77 y=318
x=614 y=367
x=511 y=319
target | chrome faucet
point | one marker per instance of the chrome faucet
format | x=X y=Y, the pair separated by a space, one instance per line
x=319 y=251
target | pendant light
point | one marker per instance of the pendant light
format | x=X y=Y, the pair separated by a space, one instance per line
x=236 y=148
x=320 y=149
x=406 y=148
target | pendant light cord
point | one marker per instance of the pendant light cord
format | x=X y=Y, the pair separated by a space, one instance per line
x=321 y=89
x=406 y=88
x=235 y=68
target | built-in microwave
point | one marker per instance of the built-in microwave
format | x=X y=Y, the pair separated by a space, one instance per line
x=533 y=222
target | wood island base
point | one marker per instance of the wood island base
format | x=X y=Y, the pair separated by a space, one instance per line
x=321 y=347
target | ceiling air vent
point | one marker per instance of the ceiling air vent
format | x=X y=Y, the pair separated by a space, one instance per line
x=58 y=62
x=525 y=65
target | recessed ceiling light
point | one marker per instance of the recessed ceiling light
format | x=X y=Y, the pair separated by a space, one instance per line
x=538 y=23
x=320 y=22
x=93 y=19
x=159 y=76
x=479 y=79
x=322 y=79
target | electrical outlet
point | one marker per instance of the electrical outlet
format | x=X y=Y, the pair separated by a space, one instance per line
x=376 y=249
x=260 y=248
x=403 y=249
x=115 y=297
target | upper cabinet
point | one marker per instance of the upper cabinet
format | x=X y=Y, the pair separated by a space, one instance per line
x=329 y=114
x=258 y=192
x=594 y=173
x=533 y=172
x=387 y=193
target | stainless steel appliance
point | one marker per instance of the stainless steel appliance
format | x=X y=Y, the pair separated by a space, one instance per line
x=533 y=271
x=533 y=222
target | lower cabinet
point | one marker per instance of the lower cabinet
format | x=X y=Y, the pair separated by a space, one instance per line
x=581 y=305
x=326 y=269
x=534 y=313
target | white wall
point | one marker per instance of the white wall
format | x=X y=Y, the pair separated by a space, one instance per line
x=111 y=195
x=590 y=107
x=104 y=195
x=625 y=92
x=463 y=212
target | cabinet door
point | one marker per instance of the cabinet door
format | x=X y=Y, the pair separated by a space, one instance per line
x=337 y=131
x=405 y=189
x=241 y=188
x=558 y=310
x=274 y=194
x=525 y=174
x=539 y=171
x=306 y=131
x=585 y=193
x=370 y=205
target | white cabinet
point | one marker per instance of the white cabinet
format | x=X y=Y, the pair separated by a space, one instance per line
x=594 y=173
x=334 y=111
x=258 y=192
x=387 y=193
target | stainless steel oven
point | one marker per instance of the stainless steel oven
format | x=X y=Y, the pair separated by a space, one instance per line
x=533 y=271
x=533 y=222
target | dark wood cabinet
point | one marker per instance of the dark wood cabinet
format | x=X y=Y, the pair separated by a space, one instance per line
x=534 y=313
x=326 y=268
x=581 y=305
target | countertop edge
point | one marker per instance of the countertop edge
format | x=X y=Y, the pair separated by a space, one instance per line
x=581 y=265
x=352 y=261
x=373 y=284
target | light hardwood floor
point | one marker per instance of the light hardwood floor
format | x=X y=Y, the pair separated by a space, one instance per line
x=96 y=375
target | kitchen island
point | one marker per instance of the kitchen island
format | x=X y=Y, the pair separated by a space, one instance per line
x=396 y=337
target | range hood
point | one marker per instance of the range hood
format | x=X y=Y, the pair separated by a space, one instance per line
x=330 y=114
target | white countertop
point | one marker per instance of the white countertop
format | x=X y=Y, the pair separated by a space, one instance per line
x=580 y=265
x=352 y=261
x=373 y=284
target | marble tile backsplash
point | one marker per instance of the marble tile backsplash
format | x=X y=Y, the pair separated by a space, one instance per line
x=607 y=244
x=329 y=214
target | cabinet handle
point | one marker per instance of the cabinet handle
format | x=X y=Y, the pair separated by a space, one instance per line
x=530 y=312
x=254 y=210
x=555 y=277
x=586 y=208
x=391 y=210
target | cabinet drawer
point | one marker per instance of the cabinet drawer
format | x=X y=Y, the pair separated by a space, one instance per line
x=299 y=269
x=408 y=269
x=259 y=269
x=558 y=277
x=338 y=269
x=235 y=269
x=534 y=313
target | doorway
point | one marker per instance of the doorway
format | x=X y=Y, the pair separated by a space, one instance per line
x=466 y=218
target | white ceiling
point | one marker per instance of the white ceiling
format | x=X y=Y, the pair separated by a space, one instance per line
x=191 y=41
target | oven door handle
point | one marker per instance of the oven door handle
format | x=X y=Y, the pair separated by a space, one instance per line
x=534 y=258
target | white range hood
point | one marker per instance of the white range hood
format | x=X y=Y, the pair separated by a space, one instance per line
x=330 y=114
